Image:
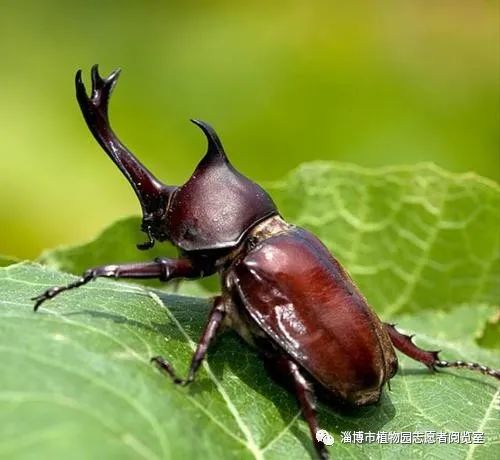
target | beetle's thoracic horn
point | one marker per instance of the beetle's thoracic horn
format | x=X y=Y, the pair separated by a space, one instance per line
x=215 y=151
x=153 y=195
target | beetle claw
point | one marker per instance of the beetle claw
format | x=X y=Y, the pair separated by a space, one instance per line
x=39 y=299
x=163 y=365
x=48 y=294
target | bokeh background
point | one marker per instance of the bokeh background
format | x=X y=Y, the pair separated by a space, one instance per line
x=373 y=83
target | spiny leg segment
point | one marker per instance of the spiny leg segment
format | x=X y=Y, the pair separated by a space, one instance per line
x=431 y=359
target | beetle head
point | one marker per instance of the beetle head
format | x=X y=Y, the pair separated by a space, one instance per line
x=213 y=210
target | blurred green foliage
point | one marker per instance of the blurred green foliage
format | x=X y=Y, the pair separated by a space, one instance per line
x=283 y=82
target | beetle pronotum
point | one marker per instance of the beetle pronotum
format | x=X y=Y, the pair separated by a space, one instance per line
x=282 y=290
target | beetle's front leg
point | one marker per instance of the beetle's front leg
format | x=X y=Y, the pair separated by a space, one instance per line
x=161 y=268
x=217 y=315
x=430 y=358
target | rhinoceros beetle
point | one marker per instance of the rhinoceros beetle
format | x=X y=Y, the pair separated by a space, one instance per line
x=282 y=290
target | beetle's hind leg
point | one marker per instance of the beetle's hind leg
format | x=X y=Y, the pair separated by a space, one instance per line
x=431 y=358
x=215 y=320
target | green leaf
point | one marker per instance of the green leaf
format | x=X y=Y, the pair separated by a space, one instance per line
x=489 y=336
x=77 y=383
x=6 y=260
x=423 y=246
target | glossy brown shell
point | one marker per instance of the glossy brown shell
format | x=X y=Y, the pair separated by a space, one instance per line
x=303 y=299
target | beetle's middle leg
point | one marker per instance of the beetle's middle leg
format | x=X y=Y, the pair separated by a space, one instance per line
x=430 y=358
x=289 y=374
x=215 y=320
x=161 y=268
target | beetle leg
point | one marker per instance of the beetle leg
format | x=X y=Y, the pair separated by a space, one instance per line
x=431 y=358
x=162 y=268
x=217 y=315
x=284 y=369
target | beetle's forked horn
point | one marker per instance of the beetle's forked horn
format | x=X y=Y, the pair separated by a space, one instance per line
x=153 y=195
